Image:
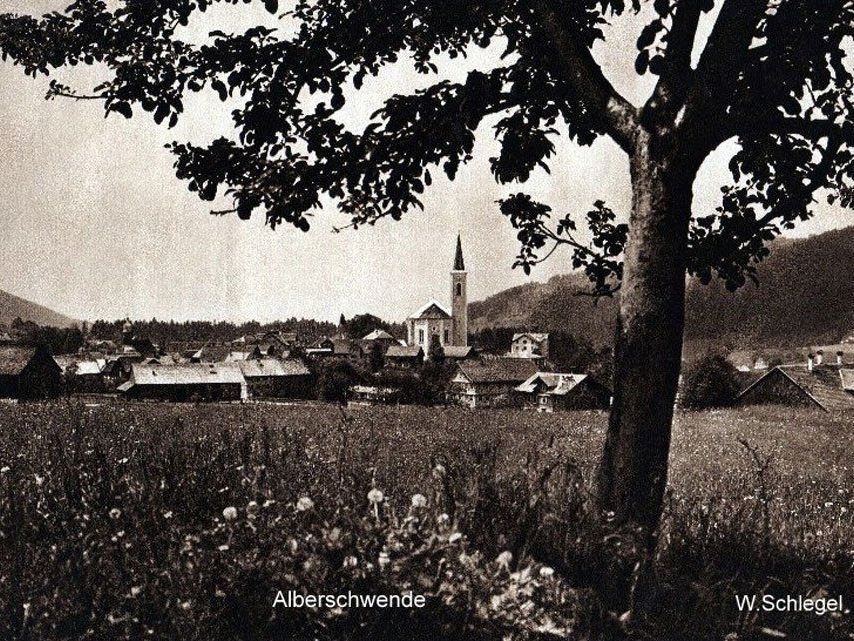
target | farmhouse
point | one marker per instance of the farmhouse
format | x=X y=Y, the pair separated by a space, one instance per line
x=550 y=391
x=828 y=387
x=530 y=345
x=186 y=382
x=272 y=378
x=433 y=321
x=28 y=373
x=489 y=383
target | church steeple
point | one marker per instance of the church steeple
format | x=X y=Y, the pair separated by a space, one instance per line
x=459 y=299
x=459 y=265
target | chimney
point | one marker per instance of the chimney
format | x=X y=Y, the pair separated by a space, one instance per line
x=839 y=358
x=809 y=361
x=819 y=357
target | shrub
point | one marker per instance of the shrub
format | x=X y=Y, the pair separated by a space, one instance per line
x=710 y=382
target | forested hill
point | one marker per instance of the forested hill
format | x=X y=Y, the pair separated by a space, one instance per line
x=12 y=307
x=805 y=296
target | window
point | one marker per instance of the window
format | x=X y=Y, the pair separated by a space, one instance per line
x=459 y=289
x=421 y=336
x=447 y=336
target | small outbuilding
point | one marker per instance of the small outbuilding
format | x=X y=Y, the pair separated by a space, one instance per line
x=28 y=373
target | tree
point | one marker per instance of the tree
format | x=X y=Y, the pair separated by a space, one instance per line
x=710 y=382
x=436 y=353
x=771 y=75
x=376 y=357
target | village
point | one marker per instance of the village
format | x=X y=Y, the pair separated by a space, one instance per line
x=434 y=364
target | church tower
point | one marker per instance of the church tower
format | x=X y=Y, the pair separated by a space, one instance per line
x=459 y=298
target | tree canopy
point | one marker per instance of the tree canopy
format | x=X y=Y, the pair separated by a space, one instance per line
x=774 y=75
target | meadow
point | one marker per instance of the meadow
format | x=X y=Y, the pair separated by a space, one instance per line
x=136 y=521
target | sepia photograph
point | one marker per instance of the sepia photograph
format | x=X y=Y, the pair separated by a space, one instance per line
x=427 y=320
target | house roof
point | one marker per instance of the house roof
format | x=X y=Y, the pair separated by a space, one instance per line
x=404 y=351
x=557 y=384
x=345 y=346
x=537 y=337
x=212 y=353
x=498 y=370
x=88 y=368
x=378 y=334
x=273 y=367
x=186 y=374
x=431 y=309
x=13 y=359
x=824 y=385
x=458 y=351
x=847 y=376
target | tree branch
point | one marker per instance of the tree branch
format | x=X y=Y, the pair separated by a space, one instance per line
x=618 y=117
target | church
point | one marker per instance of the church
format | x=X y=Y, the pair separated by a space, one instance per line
x=434 y=320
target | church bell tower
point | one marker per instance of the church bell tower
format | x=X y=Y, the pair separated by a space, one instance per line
x=459 y=298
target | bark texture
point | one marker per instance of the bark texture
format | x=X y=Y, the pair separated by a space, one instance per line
x=648 y=343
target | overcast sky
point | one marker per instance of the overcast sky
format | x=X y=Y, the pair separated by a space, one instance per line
x=97 y=226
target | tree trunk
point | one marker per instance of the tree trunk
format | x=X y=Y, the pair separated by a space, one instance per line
x=648 y=346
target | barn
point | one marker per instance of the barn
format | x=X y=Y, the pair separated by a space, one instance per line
x=28 y=373
x=830 y=388
x=185 y=382
x=490 y=382
x=273 y=378
x=551 y=391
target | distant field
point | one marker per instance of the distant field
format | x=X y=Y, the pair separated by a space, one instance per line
x=786 y=506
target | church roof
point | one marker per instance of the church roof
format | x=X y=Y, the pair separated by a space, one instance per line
x=459 y=264
x=431 y=310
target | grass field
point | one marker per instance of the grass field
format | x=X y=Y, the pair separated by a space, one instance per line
x=112 y=522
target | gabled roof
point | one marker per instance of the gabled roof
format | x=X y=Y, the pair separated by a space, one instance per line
x=824 y=385
x=273 y=367
x=186 y=374
x=88 y=368
x=212 y=353
x=404 y=351
x=457 y=351
x=13 y=359
x=537 y=337
x=378 y=334
x=497 y=370
x=556 y=384
x=431 y=309
x=345 y=347
x=847 y=376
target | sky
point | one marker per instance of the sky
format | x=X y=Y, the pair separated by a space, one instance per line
x=96 y=225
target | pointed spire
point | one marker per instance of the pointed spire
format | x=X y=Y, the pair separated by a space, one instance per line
x=459 y=265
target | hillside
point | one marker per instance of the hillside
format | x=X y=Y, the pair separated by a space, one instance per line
x=12 y=307
x=805 y=296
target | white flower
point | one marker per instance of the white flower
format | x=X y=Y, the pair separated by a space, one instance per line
x=4 y=469
x=304 y=504
x=167 y=515
x=439 y=470
x=115 y=513
x=419 y=501
x=546 y=572
x=443 y=518
x=351 y=562
x=135 y=590
x=383 y=559
x=504 y=559
x=375 y=496
x=456 y=536
x=223 y=548
x=229 y=513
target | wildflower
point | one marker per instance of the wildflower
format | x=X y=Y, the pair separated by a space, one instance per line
x=304 y=504
x=439 y=470
x=419 y=501
x=375 y=496
x=443 y=518
x=115 y=513
x=135 y=590
x=504 y=559
x=223 y=548
x=351 y=562
x=167 y=515
x=383 y=560
x=39 y=479
x=456 y=536
x=546 y=572
x=229 y=513
x=4 y=469
x=268 y=503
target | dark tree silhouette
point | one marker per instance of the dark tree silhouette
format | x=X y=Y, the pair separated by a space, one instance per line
x=772 y=74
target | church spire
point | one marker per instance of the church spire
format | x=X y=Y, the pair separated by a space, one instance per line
x=459 y=265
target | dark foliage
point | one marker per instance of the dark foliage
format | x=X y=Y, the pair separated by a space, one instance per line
x=711 y=381
x=58 y=340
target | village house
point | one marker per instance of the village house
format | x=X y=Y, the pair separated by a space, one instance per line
x=186 y=382
x=827 y=386
x=377 y=337
x=273 y=378
x=433 y=322
x=529 y=345
x=28 y=373
x=490 y=382
x=459 y=352
x=552 y=391
x=404 y=356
